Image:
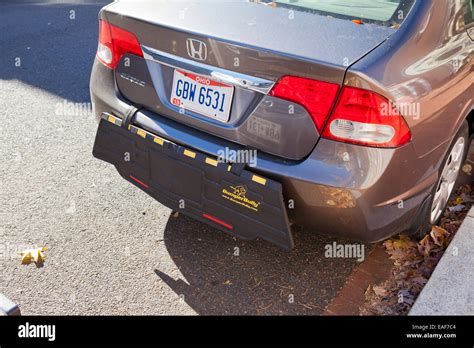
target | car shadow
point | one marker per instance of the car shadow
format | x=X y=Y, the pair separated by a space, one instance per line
x=221 y=274
x=225 y=275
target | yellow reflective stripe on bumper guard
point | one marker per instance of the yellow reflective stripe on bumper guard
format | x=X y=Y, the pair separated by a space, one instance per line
x=112 y=119
x=259 y=179
x=158 y=140
x=211 y=161
x=142 y=133
x=189 y=153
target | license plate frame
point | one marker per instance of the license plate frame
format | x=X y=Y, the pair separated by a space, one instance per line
x=200 y=88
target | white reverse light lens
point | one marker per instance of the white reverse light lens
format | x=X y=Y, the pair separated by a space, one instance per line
x=366 y=132
x=104 y=53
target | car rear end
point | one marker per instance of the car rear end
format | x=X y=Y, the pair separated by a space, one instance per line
x=184 y=87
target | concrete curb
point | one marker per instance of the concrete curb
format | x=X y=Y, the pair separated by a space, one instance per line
x=7 y=307
x=450 y=289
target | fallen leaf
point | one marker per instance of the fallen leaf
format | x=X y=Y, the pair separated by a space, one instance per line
x=403 y=243
x=424 y=245
x=466 y=198
x=457 y=208
x=419 y=280
x=35 y=255
x=414 y=262
x=380 y=291
x=388 y=244
x=467 y=168
x=439 y=235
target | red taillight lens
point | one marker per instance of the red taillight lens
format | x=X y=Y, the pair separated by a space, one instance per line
x=316 y=96
x=366 y=118
x=114 y=42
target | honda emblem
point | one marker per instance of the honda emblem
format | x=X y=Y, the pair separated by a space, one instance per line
x=196 y=49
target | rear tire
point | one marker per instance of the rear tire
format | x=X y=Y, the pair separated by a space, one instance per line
x=446 y=184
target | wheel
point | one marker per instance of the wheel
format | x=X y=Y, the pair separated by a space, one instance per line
x=449 y=172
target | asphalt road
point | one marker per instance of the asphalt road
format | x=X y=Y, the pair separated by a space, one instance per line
x=111 y=248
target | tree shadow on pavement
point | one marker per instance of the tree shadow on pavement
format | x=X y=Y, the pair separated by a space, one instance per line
x=224 y=275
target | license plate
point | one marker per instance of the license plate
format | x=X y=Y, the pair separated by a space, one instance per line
x=202 y=95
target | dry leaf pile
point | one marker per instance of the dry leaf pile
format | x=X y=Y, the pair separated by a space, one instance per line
x=414 y=261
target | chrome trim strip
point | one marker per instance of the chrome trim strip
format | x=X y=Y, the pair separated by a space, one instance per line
x=225 y=76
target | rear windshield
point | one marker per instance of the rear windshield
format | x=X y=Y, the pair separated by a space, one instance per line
x=387 y=12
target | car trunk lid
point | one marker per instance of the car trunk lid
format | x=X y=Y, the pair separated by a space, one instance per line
x=249 y=47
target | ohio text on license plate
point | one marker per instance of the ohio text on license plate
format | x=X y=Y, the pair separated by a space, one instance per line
x=202 y=95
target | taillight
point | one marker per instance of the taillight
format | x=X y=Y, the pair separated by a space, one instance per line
x=114 y=42
x=316 y=97
x=366 y=118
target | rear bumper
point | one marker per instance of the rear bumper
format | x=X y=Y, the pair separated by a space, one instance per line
x=345 y=190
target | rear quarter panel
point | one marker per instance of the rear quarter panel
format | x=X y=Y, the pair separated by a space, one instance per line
x=428 y=65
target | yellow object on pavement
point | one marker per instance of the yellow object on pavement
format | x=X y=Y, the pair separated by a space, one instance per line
x=35 y=255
